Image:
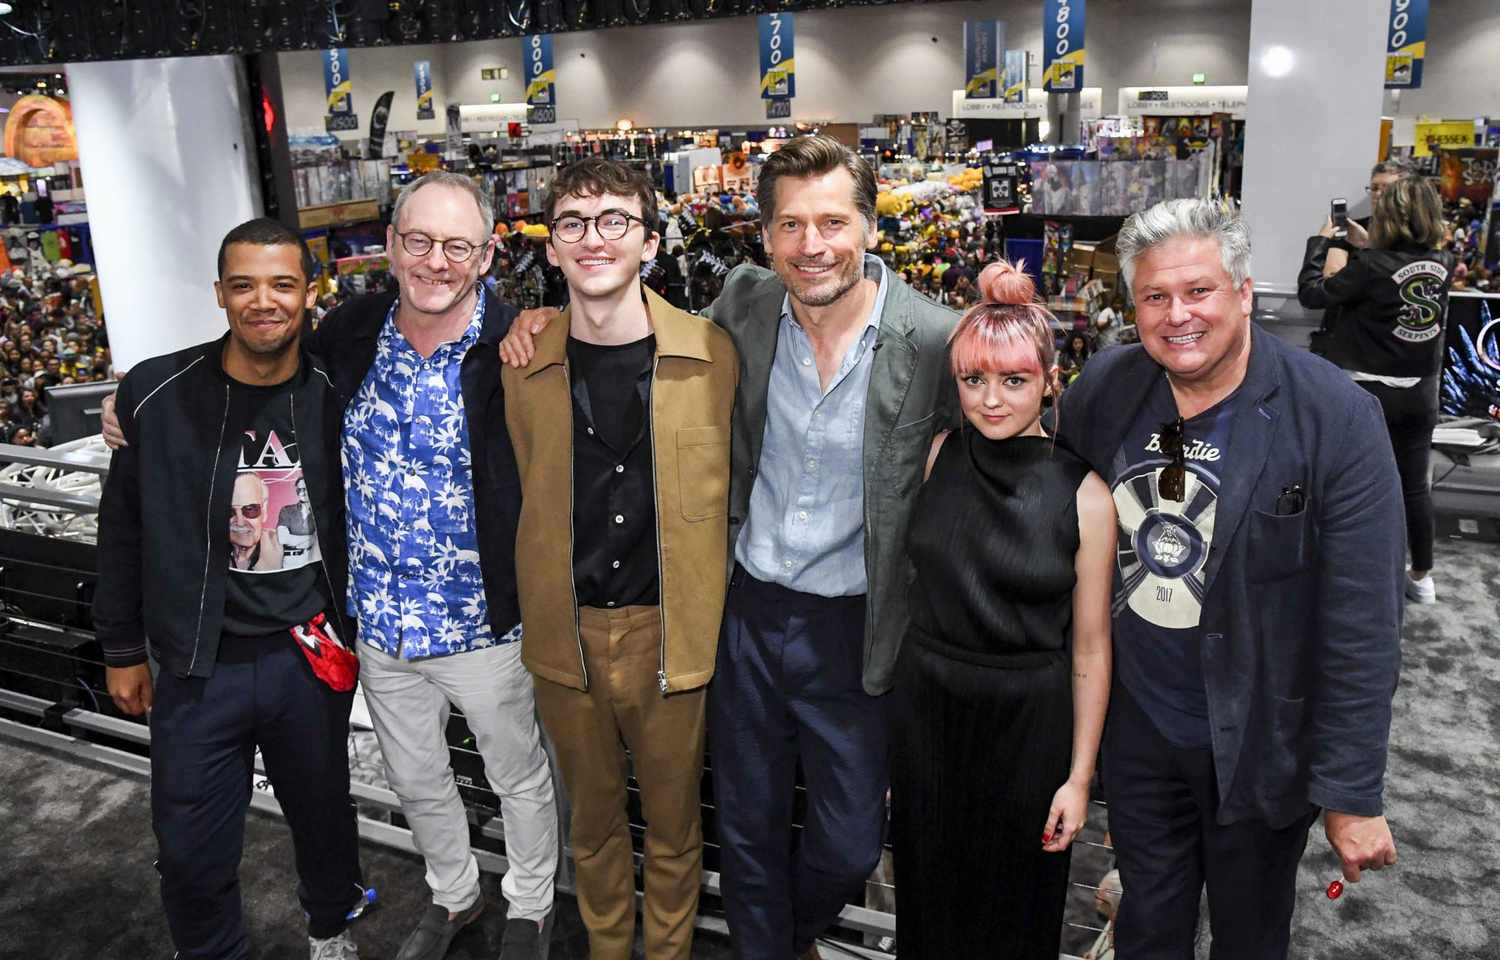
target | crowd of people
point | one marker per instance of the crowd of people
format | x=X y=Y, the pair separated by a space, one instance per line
x=50 y=336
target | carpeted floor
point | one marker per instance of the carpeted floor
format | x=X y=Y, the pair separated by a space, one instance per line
x=76 y=849
x=76 y=877
x=1442 y=790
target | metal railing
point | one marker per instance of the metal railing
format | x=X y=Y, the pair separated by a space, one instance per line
x=52 y=692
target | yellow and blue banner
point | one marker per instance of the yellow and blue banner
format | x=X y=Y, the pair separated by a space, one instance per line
x=337 y=82
x=1013 y=89
x=1062 y=46
x=1406 y=44
x=778 y=71
x=983 y=41
x=421 y=71
x=541 y=75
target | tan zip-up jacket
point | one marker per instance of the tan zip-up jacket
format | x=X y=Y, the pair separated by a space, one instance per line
x=694 y=377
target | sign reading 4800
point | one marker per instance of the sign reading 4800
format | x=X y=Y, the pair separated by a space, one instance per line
x=1063 y=46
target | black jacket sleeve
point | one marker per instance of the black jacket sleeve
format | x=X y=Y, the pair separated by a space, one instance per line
x=1317 y=292
x=117 y=596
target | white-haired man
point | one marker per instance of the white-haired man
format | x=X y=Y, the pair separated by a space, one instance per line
x=1258 y=596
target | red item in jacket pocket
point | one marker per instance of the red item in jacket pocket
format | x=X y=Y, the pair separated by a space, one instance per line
x=332 y=662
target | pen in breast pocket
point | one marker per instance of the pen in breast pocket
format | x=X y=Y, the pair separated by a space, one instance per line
x=1292 y=500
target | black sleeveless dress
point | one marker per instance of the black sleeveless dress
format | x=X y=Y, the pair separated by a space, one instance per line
x=983 y=701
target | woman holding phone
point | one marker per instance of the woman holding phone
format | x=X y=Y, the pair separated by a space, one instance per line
x=1385 y=297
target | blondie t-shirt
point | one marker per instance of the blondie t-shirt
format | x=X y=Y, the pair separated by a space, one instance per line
x=276 y=577
x=1161 y=552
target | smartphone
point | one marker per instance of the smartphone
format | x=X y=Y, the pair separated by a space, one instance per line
x=1338 y=212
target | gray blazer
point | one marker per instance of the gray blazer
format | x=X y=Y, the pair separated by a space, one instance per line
x=912 y=396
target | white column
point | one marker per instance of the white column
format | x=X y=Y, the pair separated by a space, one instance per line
x=167 y=170
x=1312 y=122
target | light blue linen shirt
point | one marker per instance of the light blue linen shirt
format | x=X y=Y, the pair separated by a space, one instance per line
x=806 y=526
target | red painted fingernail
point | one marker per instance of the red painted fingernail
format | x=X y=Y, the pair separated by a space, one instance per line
x=1335 y=889
x=1046 y=838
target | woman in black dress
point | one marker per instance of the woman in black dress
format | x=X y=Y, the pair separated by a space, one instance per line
x=1003 y=678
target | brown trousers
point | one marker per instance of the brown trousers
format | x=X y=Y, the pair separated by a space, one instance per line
x=625 y=709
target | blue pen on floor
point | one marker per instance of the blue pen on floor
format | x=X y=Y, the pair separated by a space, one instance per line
x=367 y=898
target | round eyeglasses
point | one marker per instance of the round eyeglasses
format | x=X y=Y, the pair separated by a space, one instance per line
x=611 y=224
x=457 y=250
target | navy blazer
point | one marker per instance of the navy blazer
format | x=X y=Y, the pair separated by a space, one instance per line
x=1301 y=622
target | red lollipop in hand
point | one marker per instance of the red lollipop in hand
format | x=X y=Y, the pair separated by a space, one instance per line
x=1335 y=889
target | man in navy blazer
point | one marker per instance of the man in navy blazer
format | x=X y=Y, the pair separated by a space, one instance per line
x=1258 y=596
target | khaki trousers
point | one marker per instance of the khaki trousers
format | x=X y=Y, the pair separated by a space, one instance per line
x=591 y=731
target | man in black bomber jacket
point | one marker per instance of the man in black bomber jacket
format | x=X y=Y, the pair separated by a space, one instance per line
x=220 y=437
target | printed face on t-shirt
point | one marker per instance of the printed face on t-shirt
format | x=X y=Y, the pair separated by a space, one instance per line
x=270 y=519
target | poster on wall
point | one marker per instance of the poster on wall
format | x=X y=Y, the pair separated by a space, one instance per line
x=778 y=68
x=983 y=41
x=1062 y=46
x=340 y=89
x=541 y=74
x=422 y=74
x=1468 y=173
x=1015 y=76
x=1406 y=44
x=1471 y=368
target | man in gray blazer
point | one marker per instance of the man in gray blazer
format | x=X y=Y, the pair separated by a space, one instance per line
x=843 y=383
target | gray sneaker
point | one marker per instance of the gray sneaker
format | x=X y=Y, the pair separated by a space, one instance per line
x=527 y=939
x=340 y=947
x=435 y=931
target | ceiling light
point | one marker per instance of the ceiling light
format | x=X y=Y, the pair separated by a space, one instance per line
x=1277 y=61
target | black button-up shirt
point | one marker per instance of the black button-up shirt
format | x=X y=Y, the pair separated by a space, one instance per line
x=615 y=562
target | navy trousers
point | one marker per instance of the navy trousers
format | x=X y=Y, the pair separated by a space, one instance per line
x=1168 y=844
x=203 y=737
x=787 y=687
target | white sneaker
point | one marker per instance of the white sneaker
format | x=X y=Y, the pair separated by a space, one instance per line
x=340 y=947
x=1421 y=591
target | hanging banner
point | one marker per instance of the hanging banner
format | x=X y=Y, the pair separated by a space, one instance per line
x=340 y=89
x=1062 y=46
x=422 y=72
x=1406 y=44
x=1014 y=87
x=778 y=71
x=983 y=41
x=541 y=75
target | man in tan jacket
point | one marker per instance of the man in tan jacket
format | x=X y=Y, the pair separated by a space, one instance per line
x=621 y=430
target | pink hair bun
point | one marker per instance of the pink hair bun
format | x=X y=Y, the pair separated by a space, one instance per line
x=1004 y=282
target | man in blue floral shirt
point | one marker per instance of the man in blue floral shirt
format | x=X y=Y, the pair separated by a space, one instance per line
x=433 y=500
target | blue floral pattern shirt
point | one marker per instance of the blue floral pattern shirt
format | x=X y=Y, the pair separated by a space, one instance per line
x=414 y=580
